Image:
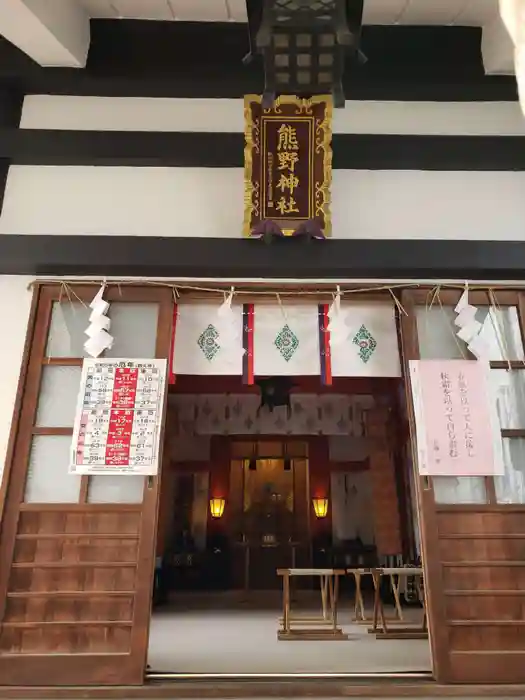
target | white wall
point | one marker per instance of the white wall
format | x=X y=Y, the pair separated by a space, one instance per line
x=208 y=202
x=222 y=115
x=15 y=304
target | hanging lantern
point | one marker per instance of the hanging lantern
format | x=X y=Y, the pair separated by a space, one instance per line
x=217 y=507
x=320 y=507
x=275 y=391
x=304 y=44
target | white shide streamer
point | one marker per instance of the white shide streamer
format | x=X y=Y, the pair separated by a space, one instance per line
x=98 y=337
x=469 y=327
x=227 y=326
x=337 y=327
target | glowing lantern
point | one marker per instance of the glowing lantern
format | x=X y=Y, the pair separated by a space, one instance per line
x=320 y=507
x=217 y=507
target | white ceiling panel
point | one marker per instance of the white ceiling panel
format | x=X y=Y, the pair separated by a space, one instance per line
x=411 y=12
x=102 y=9
x=446 y=12
x=237 y=10
x=200 y=10
x=478 y=12
x=438 y=13
x=383 y=11
x=145 y=9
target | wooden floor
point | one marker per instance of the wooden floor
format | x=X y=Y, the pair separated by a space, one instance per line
x=264 y=691
x=208 y=626
x=245 y=641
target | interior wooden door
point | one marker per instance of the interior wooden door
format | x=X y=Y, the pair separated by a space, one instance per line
x=77 y=553
x=473 y=528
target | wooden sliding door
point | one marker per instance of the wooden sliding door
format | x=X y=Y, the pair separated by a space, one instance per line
x=473 y=528
x=77 y=553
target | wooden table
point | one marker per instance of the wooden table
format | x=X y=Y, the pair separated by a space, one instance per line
x=359 y=607
x=382 y=631
x=312 y=628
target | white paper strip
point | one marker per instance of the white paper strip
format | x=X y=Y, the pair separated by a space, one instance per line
x=371 y=349
x=337 y=327
x=98 y=337
x=97 y=342
x=469 y=327
x=97 y=324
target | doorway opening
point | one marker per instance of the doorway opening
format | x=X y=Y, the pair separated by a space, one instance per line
x=250 y=500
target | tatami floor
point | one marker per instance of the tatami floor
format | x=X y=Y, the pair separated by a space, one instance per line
x=237 y=640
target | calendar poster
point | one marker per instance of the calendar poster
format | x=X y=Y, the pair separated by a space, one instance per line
x=119 y=417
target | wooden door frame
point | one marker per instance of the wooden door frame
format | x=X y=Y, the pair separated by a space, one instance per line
x=19 y=396
x=428 y=510
x=85 y=668
x=434 y=594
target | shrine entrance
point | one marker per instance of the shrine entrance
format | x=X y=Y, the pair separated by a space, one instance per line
x=324 y=486
x=238 y=510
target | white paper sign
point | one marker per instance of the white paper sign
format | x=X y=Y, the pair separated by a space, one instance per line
x=119 y=417
x=457 y=429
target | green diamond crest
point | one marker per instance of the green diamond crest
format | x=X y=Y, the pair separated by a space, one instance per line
x=286 y=342
x=207 y=342
x=366 y=343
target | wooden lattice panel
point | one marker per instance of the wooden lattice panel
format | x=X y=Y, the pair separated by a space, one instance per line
x=482 y=557
x=72 y=581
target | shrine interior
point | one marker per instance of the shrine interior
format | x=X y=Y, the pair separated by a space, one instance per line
x=249 y=493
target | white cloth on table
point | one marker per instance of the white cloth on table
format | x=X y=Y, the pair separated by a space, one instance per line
x=310 y=572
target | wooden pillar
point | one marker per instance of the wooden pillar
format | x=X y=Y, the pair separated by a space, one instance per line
x=384 y=487
x=165 y=506
x=319 y=466
x=219 y=480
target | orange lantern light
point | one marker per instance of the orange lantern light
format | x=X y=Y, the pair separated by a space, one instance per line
x=217 y=507
x=320 y=507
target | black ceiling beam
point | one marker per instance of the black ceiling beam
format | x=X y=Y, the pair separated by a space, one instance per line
x=200 y=59
x=147 y=256
x=225 y=150
x=10 y=112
